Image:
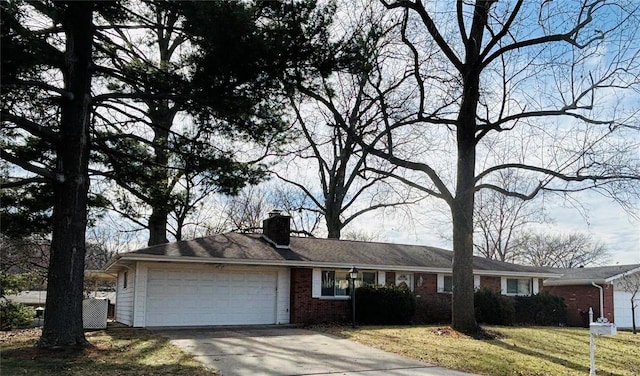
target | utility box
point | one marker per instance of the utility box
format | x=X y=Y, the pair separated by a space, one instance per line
x=603 y=328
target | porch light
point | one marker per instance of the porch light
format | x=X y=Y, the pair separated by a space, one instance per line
x=353 y=275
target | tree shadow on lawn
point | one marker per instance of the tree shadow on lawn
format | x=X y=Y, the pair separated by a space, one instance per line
x=114 y=352
x=540 y=355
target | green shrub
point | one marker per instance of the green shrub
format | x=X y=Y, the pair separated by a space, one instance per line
x=541 y=309
x=384 y=305
x=492 y=308
x=14 y=315
x=433 y=309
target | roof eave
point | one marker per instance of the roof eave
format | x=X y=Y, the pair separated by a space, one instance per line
x=568 y=282
x=295 y=263
x=622 y=275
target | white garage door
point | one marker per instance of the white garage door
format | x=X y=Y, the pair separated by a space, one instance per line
x=622 y=310
x=205 y=297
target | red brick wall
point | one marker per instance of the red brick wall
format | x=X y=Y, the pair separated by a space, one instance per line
x=579 y=298
x=491 y=283
x=431 y=306
x=308 y=310
x=429 y=284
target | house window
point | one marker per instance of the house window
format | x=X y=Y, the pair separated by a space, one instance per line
x=124 y=283
x=517 y=286
x=447 y=284
x=334 y=283
x=368 y=279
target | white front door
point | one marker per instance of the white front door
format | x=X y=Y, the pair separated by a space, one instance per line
x=210 y=297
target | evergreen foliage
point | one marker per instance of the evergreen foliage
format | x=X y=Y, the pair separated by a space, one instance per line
x=492 y=308
x=384 y=305
x=541 y=309
x=14 y=315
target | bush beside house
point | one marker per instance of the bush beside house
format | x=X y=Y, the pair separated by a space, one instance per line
x=433 y=309
x=541 y=309
x=385 y=305
x=492 y=308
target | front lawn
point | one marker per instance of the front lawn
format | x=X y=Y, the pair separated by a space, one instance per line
x=116 y=351
x=515 y=350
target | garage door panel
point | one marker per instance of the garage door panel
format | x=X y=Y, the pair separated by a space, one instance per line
x=197 y=297
x=622 y=310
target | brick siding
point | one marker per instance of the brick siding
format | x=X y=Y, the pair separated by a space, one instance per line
x=308 y=310
x=431 y=306
x=491 y=283
x=429 y=284
x=579 y=298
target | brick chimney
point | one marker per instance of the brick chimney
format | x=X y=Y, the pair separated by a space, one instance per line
x=276 y=229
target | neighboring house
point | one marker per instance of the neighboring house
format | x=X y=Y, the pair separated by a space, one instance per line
x=272 y=278
x=38 y=298
x=577 y=288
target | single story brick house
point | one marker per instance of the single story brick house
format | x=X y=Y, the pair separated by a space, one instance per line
x=578 y=287
x=273 y=278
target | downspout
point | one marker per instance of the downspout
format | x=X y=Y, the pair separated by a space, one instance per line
x=601 y=300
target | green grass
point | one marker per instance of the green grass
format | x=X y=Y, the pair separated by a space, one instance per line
x=515 y=350
x=116 y=351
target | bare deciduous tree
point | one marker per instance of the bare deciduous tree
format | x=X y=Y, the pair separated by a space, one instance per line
x=559 y=250
x=332 y=113
x=499 y=218
x=488 y=75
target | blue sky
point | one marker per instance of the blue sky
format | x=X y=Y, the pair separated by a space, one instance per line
x=605 y=221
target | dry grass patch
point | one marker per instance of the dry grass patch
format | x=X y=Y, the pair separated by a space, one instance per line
x=115 y=351
x=513 y=351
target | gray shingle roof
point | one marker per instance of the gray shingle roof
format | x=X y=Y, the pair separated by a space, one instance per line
x=600 y=274
x=239 y=248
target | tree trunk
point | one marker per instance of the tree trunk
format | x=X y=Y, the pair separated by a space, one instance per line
x=633 y=315
x=462 y=306
x=158 y=225
x=161 y=116
x=334 y=226
x=63 y=313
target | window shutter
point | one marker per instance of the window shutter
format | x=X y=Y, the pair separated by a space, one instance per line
x=382 y=278
x=536 y=286
x=440 y=283
x=316 y=283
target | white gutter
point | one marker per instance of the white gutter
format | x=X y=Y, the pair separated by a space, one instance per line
x=408 y=268
x=628 y=272
x=601 y=299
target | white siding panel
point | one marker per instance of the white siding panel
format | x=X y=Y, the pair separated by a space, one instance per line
x=140 y=295
x=124 y=298
x=284 y=295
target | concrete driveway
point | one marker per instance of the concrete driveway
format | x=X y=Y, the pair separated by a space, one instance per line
x=291 y=351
